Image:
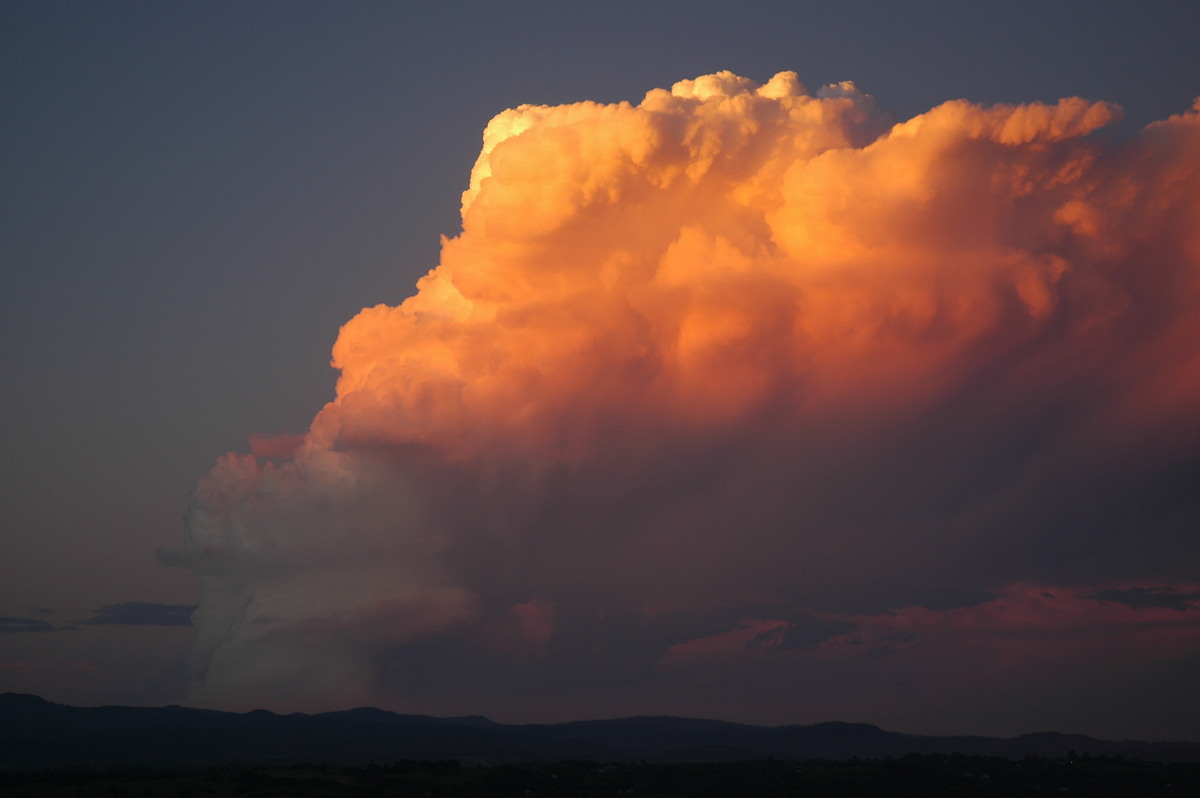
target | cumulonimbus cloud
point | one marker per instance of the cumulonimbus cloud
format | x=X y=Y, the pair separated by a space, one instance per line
x=738 y=361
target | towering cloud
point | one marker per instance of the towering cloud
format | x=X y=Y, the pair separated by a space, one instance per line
x=739 y=385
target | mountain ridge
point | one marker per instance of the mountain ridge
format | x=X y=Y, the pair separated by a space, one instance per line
x=36 y=734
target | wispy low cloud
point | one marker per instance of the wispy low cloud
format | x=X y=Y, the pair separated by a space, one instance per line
x=9 y=625
x=1138 y=597
x=804 y=631
x=142 y=613
x=1022 y=628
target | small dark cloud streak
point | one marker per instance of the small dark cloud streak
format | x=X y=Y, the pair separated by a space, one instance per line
x=11 y=625
x=141 y=613
x=1140 y=597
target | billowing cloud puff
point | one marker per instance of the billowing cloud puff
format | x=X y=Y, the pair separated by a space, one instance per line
x=734 y=369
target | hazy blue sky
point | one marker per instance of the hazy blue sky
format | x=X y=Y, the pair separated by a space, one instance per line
x=197 y=195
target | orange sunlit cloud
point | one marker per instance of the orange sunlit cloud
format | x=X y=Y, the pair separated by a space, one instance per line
x=734 y=340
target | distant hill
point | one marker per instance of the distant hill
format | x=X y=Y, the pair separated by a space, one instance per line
x=37 y=735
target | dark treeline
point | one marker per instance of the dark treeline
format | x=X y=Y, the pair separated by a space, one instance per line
x=911 y=775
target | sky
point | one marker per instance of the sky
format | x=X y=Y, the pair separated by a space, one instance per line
x=783 y=363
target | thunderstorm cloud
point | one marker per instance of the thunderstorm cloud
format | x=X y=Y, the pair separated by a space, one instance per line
x=742 y=393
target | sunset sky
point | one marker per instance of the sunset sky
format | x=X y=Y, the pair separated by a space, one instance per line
x=776 y=363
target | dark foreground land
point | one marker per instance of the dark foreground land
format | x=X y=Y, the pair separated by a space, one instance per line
x=911 y=775
x=49 y=749
x=37 y=735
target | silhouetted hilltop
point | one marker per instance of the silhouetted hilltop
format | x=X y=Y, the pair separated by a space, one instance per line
x=36 y=734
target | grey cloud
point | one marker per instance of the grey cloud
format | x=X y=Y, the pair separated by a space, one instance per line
x=142 y=613
x=1139 y=597
x=9 y=625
